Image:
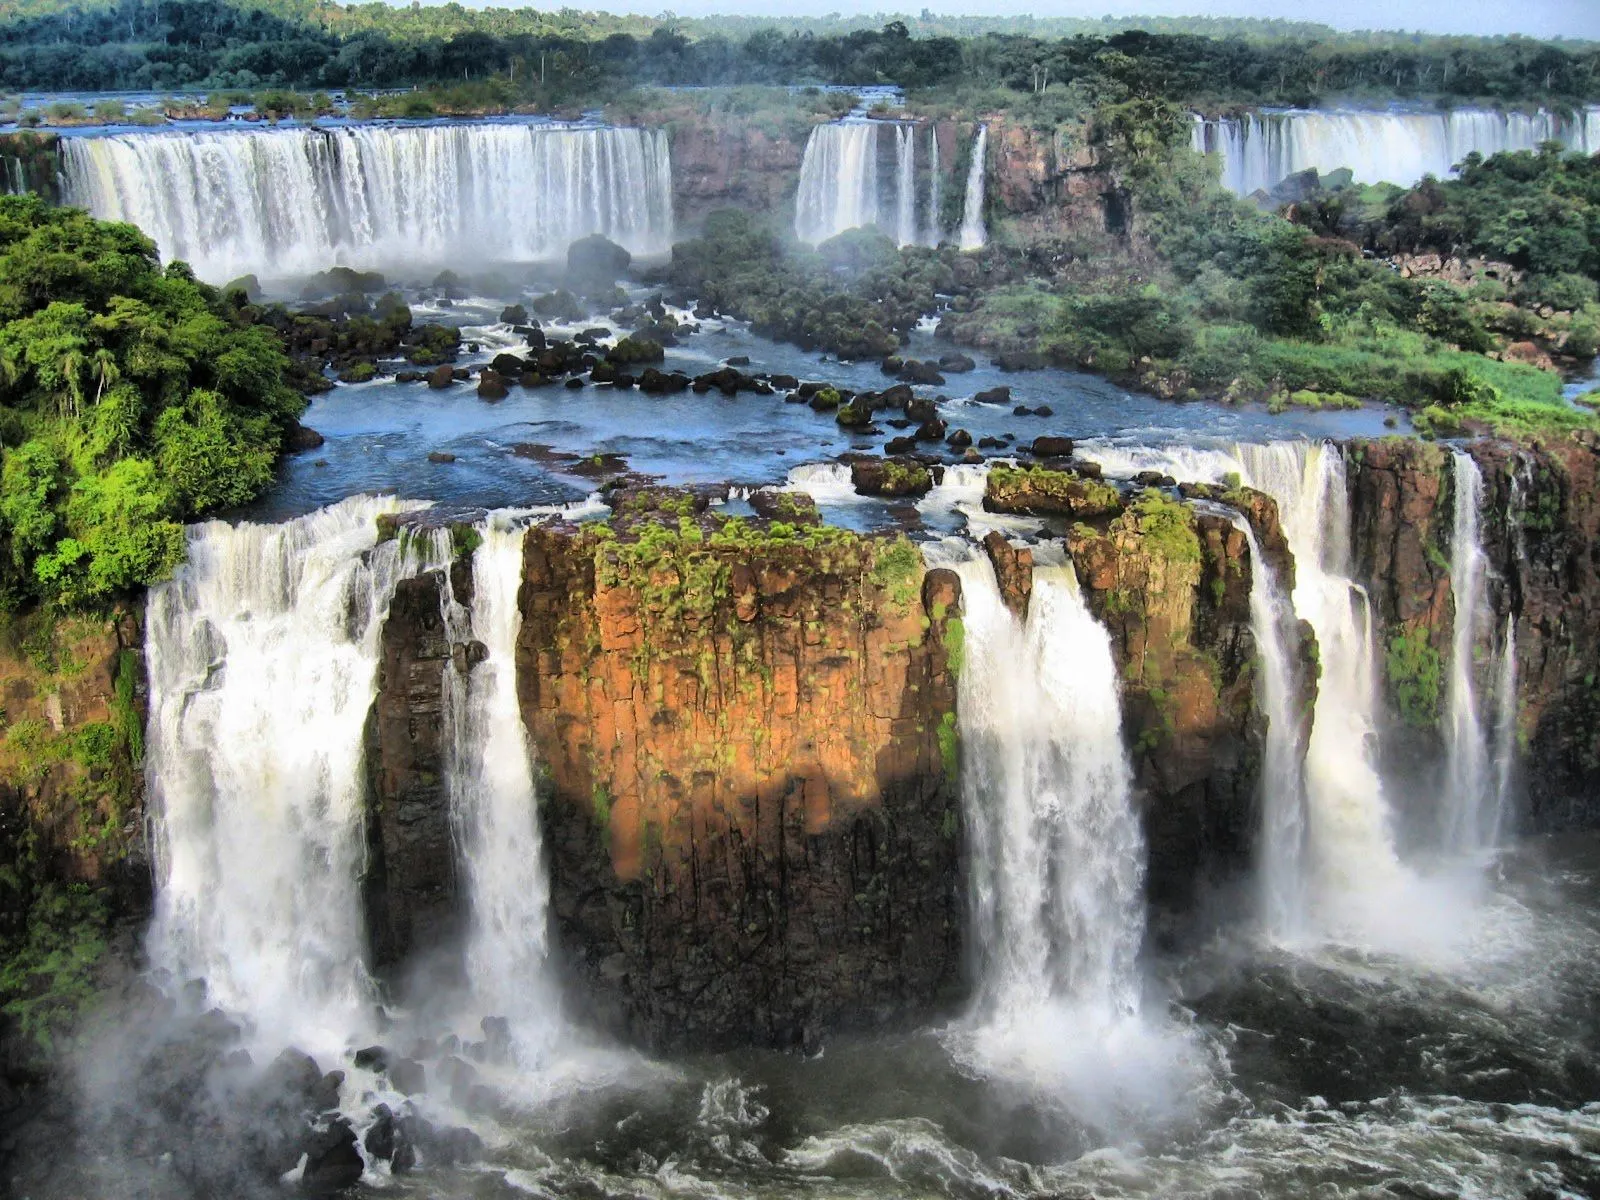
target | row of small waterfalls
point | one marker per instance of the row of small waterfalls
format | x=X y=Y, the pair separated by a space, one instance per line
x=292 y=201
x=263 y=658
x=1260 y=150
x=859 y=173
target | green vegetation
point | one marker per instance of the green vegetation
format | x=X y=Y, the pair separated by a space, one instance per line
x=131 y=399
x=1166 y=526
x=523 y=56
x=950 y=746
x=955 y=645
x=1415 y=676
x=47 y=974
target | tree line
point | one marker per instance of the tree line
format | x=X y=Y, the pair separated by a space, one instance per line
x=178 y=44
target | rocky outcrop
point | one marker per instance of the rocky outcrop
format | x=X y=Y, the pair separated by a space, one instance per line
x=721 y=165
x=1035 y=491
x=1052 y=181
x=747 y=739
x=1172 y=586
x=410 y=888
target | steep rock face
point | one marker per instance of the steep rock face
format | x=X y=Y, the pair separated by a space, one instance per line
x=1542 y=534
x=1541 y=525
x=748 y=746
x=1401 y=517
x=1052 y=180
x=715 y=165
x=410 y=887
x=1172 y=587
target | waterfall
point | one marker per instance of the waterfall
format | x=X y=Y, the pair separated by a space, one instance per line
x=973 y=232
x=1505 y=724
x=1281 y=854
x=492 y=797
x=1471 y=821
x=262 y=653
x=13 y=176
x=1057 y=856
x=1350 y=847
x=285 y=202
x=1259 y=150
x=838 y=181
x=905 y=150
x=935 y=189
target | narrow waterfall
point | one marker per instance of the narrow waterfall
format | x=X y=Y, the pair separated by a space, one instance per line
x=974 y=234
x=935 y=190
x=1505 y=722
x=1350 y=839
x=1351 y=862
x=491 y=782
x=1469 y=808
x=1281 y=855
x=905 y=151
x=1057 y=856
x=838 y=181
x=285 y=202
x=262 y=654
x=1261 y=149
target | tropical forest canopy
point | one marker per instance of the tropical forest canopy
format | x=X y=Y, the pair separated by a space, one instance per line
x=172 y=44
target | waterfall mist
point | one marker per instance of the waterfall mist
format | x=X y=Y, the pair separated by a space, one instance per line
x=1057 y=858
x=285 y=202
x=262 y=654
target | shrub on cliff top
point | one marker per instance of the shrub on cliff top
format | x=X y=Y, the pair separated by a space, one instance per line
x=133 y=399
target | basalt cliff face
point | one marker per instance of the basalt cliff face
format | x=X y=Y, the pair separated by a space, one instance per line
x=753 y=829
x=1541 y=523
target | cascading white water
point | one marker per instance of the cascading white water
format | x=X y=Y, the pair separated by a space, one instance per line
x=1505 y=722
x=492 y=797
x=1261 y=149
x=1057 y=856
x=974 y=234
x=1281 y=855
x=1469 y=808
x=935 y=190
x=1354 y=867
x=262 y=653
x=285 y=202
x=905 y=150
x=838 y=181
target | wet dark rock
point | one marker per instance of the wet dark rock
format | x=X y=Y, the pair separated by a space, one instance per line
x=299 y=438
x=441 y=456
x=956 y=364
x=1013 y=572
x=1154 y=479
x=994 y=395
x=1044 y=410
x=900 y=445
x=959 y=439
x=920 y=409
x=408 y=1076
x=737 y=360
x=513 y=314
x=930 y=431
x=796 y=508
x=325 y=1096
x=441 y=377
x=893 y=365
x=921 y=372
x=508 y=365
x=603 y=372
x=854 y=415
x=1020 y=360
x=492 y=386
x=990 y=443
x=1051 y=447
x=595 y=263
x=333 y=1163
x=574 y=384
x=372 y=1058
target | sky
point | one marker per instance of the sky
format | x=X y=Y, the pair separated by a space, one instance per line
x=1538 y=18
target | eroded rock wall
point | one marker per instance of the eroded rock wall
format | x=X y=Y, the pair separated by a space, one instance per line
x=753 y=828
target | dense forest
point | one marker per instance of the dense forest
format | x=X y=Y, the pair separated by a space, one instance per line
x=174 y=44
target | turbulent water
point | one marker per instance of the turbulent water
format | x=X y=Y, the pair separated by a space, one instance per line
x=1261 y=149
x=287 y=202
x=262 y=656
x=847 y=182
